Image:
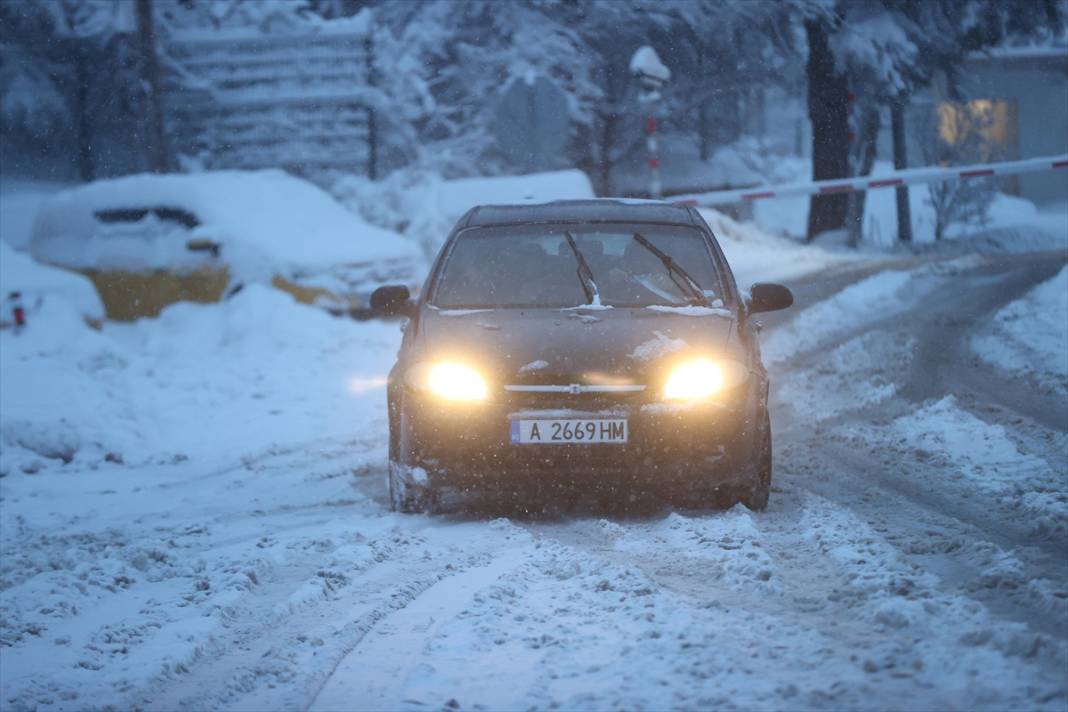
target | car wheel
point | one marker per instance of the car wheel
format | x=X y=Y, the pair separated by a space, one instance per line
x=755 y=497
x=408 y=496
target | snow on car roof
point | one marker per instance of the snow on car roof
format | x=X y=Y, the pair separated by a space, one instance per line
x=264 y=220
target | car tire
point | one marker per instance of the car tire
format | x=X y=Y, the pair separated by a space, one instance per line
x=407 y=496
x=755 y=496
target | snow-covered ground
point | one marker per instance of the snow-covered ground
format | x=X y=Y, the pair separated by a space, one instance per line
x=1022 y=225
x=1028 y=337
x=193 y=515
x=757 y=256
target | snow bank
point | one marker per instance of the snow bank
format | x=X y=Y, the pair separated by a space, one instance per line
x=426 y=208
x=854 y=308
x=1030 y=335
x=191 y=384
x=852 y=376
x=39 y=284
x=757 y=256
x=981 y=456
x=266 y=222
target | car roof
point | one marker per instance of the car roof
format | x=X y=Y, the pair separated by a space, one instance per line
x=580 y=211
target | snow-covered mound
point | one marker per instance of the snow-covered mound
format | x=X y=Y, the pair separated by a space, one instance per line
x=266 y=222
x=426 y=209
x=1030 y=335
x=38 y=285
x=984 y=457
x=757 y=256
x=189 y=385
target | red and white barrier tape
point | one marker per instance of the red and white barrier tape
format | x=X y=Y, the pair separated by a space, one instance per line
x=890 y=180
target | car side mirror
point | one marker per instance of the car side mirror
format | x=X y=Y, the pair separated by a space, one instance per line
x=392 y=300
x=766 y=297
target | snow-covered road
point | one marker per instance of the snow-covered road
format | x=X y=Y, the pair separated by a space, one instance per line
x=913 y=554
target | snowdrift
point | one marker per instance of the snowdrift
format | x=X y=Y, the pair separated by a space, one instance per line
x=189 y=385
x=38 y=285
x=264 y=219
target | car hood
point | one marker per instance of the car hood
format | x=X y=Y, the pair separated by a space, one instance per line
x=572 y=345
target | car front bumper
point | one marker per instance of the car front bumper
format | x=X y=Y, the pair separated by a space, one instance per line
x=460 y=444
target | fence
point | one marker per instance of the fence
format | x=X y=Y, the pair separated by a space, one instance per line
x=297 y=101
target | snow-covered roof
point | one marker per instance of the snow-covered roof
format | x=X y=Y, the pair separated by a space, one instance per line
x=265 y=221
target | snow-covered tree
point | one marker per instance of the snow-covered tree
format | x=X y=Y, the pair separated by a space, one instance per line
x=30 y=99
x=74 y=55
x=891 y=48
x=444 y=65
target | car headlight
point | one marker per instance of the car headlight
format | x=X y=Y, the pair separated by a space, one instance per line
x=449 y=380
x=703 y=378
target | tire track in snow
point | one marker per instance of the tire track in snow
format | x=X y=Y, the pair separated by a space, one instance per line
x=980 y=552
x=281 y=643
x=838 y=597
x=377 y=674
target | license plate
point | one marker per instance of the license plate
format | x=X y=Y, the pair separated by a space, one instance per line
x=569 y=432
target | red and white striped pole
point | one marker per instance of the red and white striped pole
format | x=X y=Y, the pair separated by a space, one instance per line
x=911 y=176
x=652 y=75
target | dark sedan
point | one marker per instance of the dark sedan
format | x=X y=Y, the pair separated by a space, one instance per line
x=601 y=343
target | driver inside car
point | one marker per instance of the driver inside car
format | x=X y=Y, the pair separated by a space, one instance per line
x=638 y=273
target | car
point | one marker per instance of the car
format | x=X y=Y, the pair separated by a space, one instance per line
x=147 y=241
x=602 y=342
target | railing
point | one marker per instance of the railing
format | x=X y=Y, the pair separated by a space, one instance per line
x=889 y=180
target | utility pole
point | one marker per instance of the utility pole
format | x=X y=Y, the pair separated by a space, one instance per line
x=897 y=131
x=150 y=81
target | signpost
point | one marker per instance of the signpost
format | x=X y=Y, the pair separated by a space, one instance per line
x=532 y=123
x=652 y=75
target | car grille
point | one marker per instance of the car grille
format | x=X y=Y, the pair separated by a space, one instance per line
x=572 y=396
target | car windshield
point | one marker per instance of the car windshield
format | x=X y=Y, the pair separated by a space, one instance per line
x=536 y=267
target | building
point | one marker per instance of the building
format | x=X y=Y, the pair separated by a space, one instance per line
x=1015 y=106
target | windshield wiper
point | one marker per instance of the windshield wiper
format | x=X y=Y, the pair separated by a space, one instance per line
x=585 y=274
x=679 y=276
